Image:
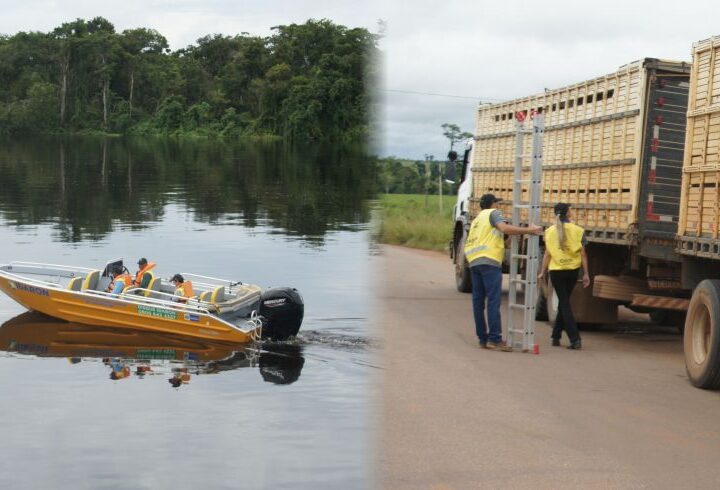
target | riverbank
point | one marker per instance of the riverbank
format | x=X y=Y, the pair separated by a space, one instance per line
x=416 y=221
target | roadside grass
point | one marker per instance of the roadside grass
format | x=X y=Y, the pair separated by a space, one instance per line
x=415 y=220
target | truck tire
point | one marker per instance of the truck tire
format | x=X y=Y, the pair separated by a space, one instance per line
x=702 y=336
x=463 y=281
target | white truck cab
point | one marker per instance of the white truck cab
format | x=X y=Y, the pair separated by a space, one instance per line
x=462 y=220
x=465 y=188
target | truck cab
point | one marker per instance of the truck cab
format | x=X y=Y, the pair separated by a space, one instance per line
x=465 y=186
x=462 y=221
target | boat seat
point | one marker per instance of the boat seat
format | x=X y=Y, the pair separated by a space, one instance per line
x=75 y=284
x=205 y=296
x=246 y=295
x=152 y=278
x=153 y=287
x=218 y=295
x=91 y=280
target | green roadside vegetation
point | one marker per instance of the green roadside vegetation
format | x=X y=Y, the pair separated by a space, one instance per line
x=415 y=220
x=306 y=82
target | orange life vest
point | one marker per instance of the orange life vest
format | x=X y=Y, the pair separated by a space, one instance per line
x=141 y=272
x=126 y=279
x=185 y=290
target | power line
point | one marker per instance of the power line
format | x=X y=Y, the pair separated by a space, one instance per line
x=480 y=99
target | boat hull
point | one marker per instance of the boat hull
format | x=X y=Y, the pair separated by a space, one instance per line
x=90 y=309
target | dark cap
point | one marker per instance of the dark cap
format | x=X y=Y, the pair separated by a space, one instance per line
x=561 y=209
x=178 y=278
x=142 y=261
x=487 y=200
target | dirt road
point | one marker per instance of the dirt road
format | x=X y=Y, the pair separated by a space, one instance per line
x=618 y=414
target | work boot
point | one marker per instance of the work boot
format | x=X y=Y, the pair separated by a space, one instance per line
x=501 y=346
x=483 y=345
x=556 y=342
x=577 y=345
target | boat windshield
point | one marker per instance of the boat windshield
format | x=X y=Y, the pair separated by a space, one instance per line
x=110 y=266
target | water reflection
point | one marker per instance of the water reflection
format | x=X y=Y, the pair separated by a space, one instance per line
x=128 y=353
x=87 y=187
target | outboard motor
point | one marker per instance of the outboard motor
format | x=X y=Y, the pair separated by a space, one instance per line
x=282 y=310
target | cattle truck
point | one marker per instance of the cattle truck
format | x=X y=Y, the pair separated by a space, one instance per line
x=643 y=188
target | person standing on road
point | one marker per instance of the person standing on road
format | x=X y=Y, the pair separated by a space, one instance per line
x=564 y=255
x=485 y=250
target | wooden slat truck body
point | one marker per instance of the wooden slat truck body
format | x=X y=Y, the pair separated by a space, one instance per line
x=614 y=149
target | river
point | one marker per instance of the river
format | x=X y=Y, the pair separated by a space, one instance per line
x=289 y=415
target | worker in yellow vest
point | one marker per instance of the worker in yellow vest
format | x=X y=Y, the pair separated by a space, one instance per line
x=564 y=256
x=485 y=250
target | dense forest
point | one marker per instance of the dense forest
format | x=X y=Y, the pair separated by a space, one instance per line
x=309 y=81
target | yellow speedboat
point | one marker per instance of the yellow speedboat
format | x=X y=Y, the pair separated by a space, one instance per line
x=221 y=310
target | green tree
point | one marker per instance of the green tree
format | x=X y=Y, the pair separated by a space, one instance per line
x=454 y=134
x=308 y=82
x=140 y=48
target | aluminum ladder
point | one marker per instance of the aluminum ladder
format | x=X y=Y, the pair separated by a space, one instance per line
x=522 y=336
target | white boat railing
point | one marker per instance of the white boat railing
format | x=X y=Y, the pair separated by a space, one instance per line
x=217 y=281
x=56 y=266
x=32 y=280
x=129 y=297
x=47 y=269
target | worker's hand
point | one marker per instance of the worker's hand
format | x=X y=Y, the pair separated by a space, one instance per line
x=586 y=280
x=534 y=229
x=541 y=276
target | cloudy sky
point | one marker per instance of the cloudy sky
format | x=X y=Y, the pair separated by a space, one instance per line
x=464 y=51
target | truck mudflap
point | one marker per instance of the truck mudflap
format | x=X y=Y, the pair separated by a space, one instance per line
x=660 y=302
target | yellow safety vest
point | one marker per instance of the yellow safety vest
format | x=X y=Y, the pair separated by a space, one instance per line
x=568 y=259
x=484 y=240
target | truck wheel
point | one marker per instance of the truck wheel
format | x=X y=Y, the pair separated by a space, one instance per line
x=463 y=282
x=541 y=307
x=702 y=336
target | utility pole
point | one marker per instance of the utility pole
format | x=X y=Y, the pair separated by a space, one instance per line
x=440 y=183
x=429 y=159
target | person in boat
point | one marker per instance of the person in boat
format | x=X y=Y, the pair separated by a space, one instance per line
x=183 y=288
x=120 y=281
x=143 y=276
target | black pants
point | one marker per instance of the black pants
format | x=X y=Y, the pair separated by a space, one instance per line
x=564 y=282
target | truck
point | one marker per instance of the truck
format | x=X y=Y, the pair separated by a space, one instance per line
x=637 y=155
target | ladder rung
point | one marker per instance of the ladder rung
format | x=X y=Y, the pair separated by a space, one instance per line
x=518 y=256
x=520 y=281
x=523 y=181
x=518 y=330
x=518 y=306
x=521 y=206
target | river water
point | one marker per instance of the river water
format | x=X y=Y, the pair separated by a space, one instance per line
x=286 y=415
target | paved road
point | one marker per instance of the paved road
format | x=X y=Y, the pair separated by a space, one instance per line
x=618 y=414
